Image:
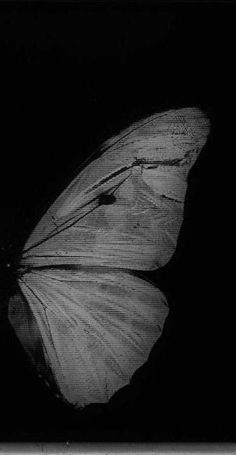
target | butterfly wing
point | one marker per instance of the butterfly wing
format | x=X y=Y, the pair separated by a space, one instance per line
x=93 y=323
x=97 y=327
x=29 y=324
x=145 y=169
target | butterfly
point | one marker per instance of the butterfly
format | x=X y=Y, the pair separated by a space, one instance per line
x=85 y=318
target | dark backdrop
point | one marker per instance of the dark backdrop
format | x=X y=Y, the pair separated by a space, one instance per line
x=73 y=75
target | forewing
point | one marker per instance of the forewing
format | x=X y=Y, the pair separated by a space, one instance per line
x=145 y=168
x=93 y=329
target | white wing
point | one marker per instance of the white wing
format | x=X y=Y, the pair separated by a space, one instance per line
x=145 y=168
x=97 y=328
x=87 y=325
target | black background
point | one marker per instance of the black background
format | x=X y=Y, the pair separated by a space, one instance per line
x=73 y=75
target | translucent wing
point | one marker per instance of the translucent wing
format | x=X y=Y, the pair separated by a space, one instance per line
x=86 y=324
x=145 y=169
x=97 y=328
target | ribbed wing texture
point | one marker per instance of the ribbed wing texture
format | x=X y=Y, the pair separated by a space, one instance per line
x=145 y=169
x=96 y=329
x=86 y=324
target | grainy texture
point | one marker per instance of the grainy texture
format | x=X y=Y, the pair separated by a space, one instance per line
x=88 y=326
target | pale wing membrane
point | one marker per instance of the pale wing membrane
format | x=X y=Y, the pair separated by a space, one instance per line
x=96 y=328
x=145 y=168
x=29 y=332
x=93 y=324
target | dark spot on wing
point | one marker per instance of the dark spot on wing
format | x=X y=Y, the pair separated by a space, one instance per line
x=106 y=199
